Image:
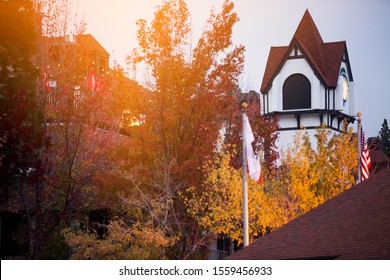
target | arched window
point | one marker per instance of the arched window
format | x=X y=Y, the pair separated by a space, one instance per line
x=296 y=92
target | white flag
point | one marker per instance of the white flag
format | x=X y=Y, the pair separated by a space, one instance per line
x=251 y=154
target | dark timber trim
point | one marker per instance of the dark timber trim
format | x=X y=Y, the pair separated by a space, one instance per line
x=331 y=115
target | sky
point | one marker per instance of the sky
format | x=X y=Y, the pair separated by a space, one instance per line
x=363 y=24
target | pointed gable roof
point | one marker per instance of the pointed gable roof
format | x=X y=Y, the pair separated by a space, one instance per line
x=88 y=41
x=324 y=58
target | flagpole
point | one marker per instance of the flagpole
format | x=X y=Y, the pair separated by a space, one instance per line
x=244 y=181
x=359 y=147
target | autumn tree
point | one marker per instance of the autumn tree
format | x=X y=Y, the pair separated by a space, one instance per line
x=135 y=242
x=56 y=135
x=306 y=178
x=80 y=121
x=184 y=105
x=309 y=176
x=264 y=128
x=191 y=86
x=218 y=207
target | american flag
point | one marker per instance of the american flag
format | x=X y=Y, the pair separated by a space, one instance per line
x=365 y=156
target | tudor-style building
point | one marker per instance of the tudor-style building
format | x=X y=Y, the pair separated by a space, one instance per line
x=308 y=83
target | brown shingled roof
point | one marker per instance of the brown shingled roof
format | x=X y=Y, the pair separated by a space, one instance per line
x=87 y=40
x=378 y=156
x=324 y=58
x=276 y=55
x=352 y=225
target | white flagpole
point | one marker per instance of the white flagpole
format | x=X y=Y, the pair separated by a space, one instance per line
x=359 y=147
x=244 y=181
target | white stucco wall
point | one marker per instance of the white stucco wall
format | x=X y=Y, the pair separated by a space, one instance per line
x=286 y=140
x=294 y=66
x=310 y=120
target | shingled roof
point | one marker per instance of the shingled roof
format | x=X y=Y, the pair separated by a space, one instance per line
x=324 y=58
x=88 y=41
x=352 y=225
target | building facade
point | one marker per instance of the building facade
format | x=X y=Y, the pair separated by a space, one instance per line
x=308 y=84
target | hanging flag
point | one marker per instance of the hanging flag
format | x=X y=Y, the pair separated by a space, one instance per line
x=102 y=86
x=365 y=156
x=92 y=79
x=251 y=154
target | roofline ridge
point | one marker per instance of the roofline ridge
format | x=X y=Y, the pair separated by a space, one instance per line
x=309 y=19
x=321 y=69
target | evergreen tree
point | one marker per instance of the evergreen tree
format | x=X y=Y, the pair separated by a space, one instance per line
x=384 y=136
x=20 y=130
x=17 y=45
x=22 y=134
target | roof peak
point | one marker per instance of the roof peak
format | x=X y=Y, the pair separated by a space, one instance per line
x=307 y=30
x=324 y=58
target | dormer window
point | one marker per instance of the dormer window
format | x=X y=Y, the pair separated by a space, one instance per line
x=296 y=92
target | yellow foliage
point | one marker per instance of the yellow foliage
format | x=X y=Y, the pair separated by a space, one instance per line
x=121 y=242
x=218 y=208
x=306 y=178
x=309 y=177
